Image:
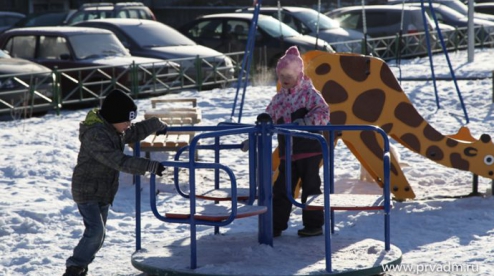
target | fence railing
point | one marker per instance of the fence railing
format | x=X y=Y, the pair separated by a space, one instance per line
x=26 y=94
x=413 y=45
x=23 y=95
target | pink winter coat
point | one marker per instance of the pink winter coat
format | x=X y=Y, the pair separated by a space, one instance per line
x=302 y=101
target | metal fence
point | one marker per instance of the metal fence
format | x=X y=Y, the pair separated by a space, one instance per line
x=413 y=45
x=29 y=94
x=23 y=95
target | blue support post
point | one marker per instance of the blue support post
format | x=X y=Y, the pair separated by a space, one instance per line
x=137 y=181
x=265 y=125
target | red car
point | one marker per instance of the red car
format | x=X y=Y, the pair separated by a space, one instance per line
x=64 y=48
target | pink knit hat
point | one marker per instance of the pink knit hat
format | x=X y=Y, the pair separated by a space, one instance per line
x=292 y=61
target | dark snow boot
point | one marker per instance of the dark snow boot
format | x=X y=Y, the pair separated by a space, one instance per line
x=75 y=271
x=310 y=231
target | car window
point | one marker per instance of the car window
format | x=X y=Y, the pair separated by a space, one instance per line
x=350 y=20
x=238 y=29
x=96 y=45
x=380 y=19
x=133 y=14
x=275 y=28
x=78 y=17
x=21 y=46
x=52 y=47
x=207 y=29
x=121 y=14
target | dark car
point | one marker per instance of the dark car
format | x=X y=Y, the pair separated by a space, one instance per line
x=148 y=38
x=308 y=21
x=8 y=19
x=64 y=48
x=487 y=7
x=228 y=32
x=90 y=11
x=456 y=5
x=387 y=21
x=47 y=18
x=447 y=15
x=22 y=84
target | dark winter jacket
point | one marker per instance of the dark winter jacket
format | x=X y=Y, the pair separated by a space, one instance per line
x=301 y=102
x=101 y=157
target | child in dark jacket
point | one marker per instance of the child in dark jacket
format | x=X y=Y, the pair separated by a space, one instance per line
x=103 y=135
x=297 y=102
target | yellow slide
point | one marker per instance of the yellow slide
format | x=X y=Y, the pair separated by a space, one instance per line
x=362 y=90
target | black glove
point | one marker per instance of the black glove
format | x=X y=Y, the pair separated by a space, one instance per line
x=163 y=130
x=156 y=168
x=245 y=145
x=160 y=170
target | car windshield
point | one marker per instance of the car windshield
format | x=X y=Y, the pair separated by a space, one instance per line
x=156 y=35
x=46 y=19
x=87 y=46
x=309 y=18
x=276 y=28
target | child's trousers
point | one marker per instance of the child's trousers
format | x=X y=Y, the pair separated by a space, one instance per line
x=307 y=170
x=94 y=215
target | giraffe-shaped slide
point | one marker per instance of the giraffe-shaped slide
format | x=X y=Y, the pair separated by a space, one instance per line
x=362 y=90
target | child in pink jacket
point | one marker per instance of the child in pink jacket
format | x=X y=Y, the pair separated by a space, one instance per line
x=300 y=103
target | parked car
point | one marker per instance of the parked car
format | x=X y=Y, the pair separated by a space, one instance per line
x=487 y=7
x=387 y=21
x=7 y=19
x=48 y=18
x=228 y=32
x=456 y=5
x=90 y=11
x=66 y=47
x=451 y=17
x=148 y=38
x=382 y=20
x=15 y=91
x=306 y=22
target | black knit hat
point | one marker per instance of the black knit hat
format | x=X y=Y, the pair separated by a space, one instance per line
x=118 y=107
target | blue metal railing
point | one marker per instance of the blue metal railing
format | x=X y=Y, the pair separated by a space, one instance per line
x=260 y=175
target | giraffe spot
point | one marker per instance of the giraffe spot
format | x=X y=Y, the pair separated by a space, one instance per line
x=412 y=141
x=368 y=106
x=338 y=117
x=432 y=134
x=451 y=143
x=323 y=69
x=369 y=138
x=354 y=66
x=469 y=151
x=389 y=79
x=434 y=153
x=458 y=162
x=387 y=127
x=485 y=138
x=408 y=115
x=334 y=93
x=370 y=141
